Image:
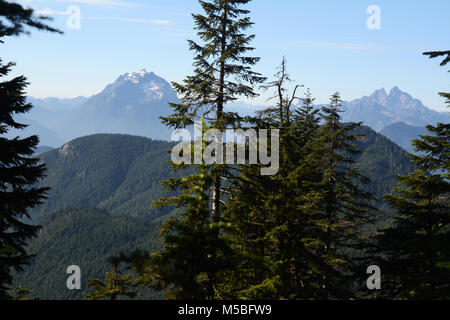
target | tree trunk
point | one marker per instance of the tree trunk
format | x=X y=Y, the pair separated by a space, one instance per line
x=219 y=115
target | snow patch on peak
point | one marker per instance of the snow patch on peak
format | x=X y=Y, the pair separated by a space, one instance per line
x=154 y=90
x=136 y=77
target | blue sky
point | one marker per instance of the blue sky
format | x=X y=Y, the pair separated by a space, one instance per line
x=327 y=43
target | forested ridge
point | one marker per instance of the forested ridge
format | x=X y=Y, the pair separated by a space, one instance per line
x=119 y=173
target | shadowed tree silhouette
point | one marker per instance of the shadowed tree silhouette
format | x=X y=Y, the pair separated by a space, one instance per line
x=18 y=171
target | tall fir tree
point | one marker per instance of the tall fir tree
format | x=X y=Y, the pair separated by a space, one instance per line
x=222 y=73
x=20 y=293
x=293 y=231
x=19 y=172
x=17 y=20
x=186 y=268
x=414 y=254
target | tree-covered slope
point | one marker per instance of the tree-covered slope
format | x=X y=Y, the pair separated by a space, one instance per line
x=117 y=172
x=382 y=161
x=84 y=237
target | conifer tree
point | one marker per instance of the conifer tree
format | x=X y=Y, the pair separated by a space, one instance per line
x=193 y=255
x=223 y=72
x=18 y=170
x=114 y=286
x=185 y=268
x=336 y=203
x=414 y=254
x=16 y=20
x=269 y=226
x=292 y=231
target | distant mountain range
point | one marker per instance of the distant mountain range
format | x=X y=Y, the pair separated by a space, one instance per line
x=382 y=109
x=57 y=104
x=133 y=103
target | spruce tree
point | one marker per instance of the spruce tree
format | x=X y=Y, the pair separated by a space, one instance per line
x=19 y=172
x=414 y=255
x=252 y=217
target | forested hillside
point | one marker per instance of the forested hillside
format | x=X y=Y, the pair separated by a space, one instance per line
x=85 y=237
x=382 y=161
x=120 y=174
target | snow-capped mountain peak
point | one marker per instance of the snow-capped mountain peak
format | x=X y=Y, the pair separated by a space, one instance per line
x=150 y=86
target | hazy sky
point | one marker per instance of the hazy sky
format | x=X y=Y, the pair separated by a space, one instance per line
x=327 y=43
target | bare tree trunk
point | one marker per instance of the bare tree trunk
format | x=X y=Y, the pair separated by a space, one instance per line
x=216 y=192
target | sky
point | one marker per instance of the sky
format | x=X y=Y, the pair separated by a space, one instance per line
x=330 y=45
